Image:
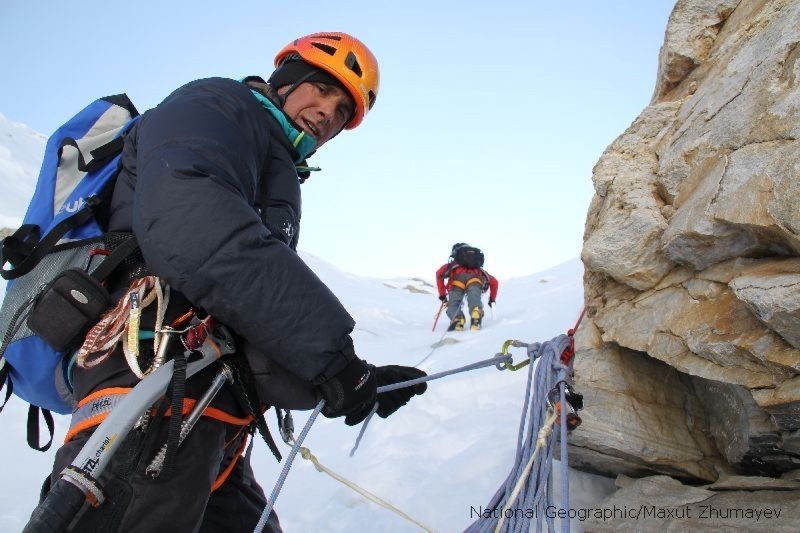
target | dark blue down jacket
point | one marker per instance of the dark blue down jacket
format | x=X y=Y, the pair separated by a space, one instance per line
x=194 y=172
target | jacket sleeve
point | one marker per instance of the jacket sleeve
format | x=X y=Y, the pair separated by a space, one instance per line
x=440 y=278
x=493 y=286
x=198 y=163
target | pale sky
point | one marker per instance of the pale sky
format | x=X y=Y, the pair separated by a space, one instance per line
x=488 y=122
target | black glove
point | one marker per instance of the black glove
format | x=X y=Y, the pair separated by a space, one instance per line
x=443 y=298
x=350 y=393
x=391 y=401
x=491 y=302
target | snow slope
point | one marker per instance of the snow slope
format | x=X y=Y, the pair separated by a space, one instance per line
x=438 y=459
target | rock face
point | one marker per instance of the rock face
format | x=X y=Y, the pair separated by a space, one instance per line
x=689 y=357
x=659 y=503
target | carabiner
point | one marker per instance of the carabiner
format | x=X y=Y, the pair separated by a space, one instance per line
x=504 y=351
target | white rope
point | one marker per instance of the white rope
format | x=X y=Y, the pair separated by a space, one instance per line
x=104 y=336
x=308 y=456
x=541 y=442
x=121 y=325
x=160 y=335
x=131 y=329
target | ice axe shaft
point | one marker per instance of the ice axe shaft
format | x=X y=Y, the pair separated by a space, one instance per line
x=78 y=481
x=438 y=314
x=223 y=376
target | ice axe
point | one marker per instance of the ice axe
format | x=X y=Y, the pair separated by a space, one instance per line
x=438 y=314
x=78 y=482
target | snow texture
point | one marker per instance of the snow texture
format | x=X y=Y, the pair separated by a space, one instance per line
x=439 y=459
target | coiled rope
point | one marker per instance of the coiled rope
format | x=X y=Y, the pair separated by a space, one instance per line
x=527 y=490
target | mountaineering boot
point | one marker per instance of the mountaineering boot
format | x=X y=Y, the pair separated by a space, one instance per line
x=475 y=315
x=458 y=323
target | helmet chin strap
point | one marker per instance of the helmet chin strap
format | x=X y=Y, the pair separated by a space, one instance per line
x=295 y=85
x=292 y=87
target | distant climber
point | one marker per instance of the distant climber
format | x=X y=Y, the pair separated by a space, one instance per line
x=465 y=278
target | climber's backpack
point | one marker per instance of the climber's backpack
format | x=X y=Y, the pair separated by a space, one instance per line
x=59 y=257
x=469 y=257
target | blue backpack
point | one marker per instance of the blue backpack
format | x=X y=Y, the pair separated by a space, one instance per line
x=59 y=257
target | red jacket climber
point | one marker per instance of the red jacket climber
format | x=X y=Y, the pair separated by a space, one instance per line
x=465 y=278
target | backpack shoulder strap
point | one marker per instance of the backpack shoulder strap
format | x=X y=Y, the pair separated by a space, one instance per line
x=33 y=415
x=100 y=155
x=115 y=258
x=24 y=250
x=33 y=428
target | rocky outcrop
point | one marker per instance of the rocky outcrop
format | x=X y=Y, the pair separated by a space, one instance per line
x=659 y=503
x=689 y=357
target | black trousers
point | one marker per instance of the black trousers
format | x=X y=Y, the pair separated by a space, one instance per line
x=180 y=500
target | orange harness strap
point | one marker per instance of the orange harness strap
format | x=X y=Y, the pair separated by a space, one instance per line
x=93 y=409
x=223 y=476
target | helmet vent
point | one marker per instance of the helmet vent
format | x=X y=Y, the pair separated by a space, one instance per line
x=330 y=50
x=351 y=62
x=371 y=99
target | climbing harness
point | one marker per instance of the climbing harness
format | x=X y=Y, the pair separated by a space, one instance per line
x=78 y=482
x=463 y=285
x=222 y=377
x=529 y=484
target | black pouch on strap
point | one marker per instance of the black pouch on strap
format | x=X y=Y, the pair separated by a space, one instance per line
x=68 y=308
x=75 y=300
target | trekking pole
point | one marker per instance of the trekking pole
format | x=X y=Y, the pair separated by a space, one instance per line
x=78 y=482
x=438 y=314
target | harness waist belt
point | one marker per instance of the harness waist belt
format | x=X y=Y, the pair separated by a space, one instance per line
x=93 y=409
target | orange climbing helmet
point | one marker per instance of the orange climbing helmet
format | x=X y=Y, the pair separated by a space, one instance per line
x=345 y=58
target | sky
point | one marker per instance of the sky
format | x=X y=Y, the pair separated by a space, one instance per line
x=489 y=119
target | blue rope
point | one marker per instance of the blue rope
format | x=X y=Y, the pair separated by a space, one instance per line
x=286 y=466
x=544 y=374
x=563 y=438
x=499 y=360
